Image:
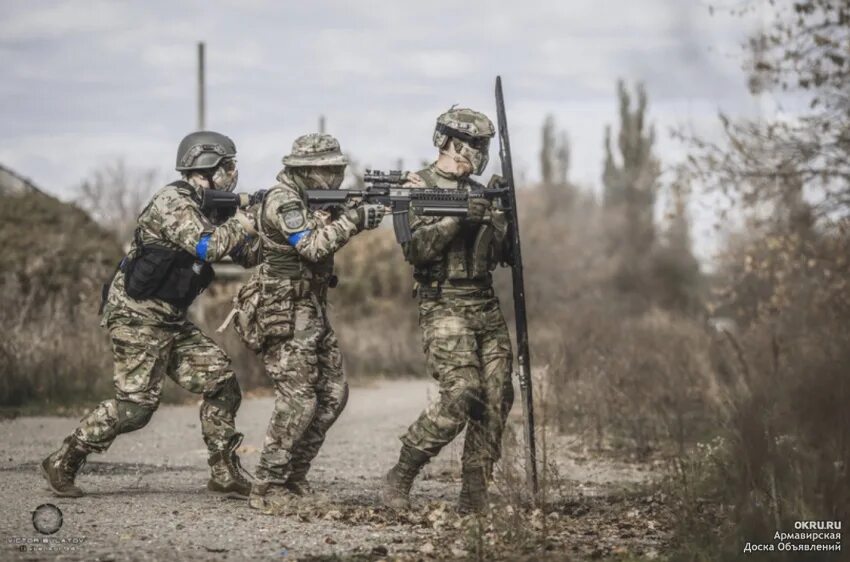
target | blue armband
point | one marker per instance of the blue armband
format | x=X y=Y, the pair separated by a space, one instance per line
x=201 y=247
x=296 y=237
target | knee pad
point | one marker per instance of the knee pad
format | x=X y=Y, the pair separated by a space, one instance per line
x=132 y=416
x=227 y=395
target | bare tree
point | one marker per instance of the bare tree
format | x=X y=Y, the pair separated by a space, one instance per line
x=115 y=194
x=768 y=162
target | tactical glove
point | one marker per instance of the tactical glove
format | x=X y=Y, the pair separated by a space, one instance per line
x=367 y=216
x=257 y=197
x=479 y=209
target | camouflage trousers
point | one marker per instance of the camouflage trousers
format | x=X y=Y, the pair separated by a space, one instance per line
x=468 y=351
x=310 y=389
x=143 y=355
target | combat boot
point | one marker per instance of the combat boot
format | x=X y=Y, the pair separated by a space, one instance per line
x=297 y=482
x=269 y=497
x=396 y=492
x=473 y=490
x=60 y=468
x=226 y=473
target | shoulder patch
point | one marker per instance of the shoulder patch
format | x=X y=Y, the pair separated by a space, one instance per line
x=289 y=206
x=293 y=218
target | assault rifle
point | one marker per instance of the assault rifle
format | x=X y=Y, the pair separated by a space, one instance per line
x=382 y=188
x=387 y=188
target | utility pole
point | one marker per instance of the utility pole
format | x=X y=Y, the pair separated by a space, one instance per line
x=321 y=123
x=201 y=88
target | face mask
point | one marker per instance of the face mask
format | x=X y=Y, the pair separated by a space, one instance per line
x=226 y=176
x=319 y=177
x=477 y=155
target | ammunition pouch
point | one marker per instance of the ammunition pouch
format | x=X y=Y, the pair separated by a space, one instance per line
x=481 y=258
x=469 y=257
x=276 y=312
x=173 y=276
x=264 y=308
x=427 y=274
x=246 y=303
x=427 y=292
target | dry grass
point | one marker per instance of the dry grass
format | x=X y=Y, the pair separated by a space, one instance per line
x=781 y=393
x=52 y=353
x=51 y=350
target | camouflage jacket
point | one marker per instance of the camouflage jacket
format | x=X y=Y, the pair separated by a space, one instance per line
x=452 y=250
x=297 y=243
x=173 y=219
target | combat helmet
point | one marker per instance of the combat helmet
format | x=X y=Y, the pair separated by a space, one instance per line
x=203 y=150
x=315 y=149
x=470 y=126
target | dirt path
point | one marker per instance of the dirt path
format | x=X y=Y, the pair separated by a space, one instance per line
x=146 y=497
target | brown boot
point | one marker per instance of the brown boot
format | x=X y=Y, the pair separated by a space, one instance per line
x=297 y=482
x=270 y=498
x=60 y=468
x=396 y=492
x=226 y=473
x=473 y=490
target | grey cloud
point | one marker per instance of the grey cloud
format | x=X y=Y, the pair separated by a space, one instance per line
x=80 y=88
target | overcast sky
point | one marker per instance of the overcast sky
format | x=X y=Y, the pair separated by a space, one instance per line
x=86 y=82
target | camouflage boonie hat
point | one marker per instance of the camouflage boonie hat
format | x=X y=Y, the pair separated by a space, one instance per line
x=315 y=149
x=463 y=123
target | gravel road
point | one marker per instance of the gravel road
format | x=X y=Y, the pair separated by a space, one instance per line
x=147 y=498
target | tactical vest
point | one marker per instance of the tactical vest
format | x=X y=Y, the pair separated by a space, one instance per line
x=469 y=257
x=281 y=259
x=157 y=271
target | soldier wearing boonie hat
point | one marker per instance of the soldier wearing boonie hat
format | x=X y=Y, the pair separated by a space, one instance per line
x=292 y=334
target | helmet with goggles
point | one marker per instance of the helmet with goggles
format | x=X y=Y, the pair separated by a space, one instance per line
x=472 y=128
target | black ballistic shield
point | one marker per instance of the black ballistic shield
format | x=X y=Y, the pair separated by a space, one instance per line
x=523 y=357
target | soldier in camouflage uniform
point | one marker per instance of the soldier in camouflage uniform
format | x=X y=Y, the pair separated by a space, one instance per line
x=145 y=313
x=294 y=337
x=466 y=341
